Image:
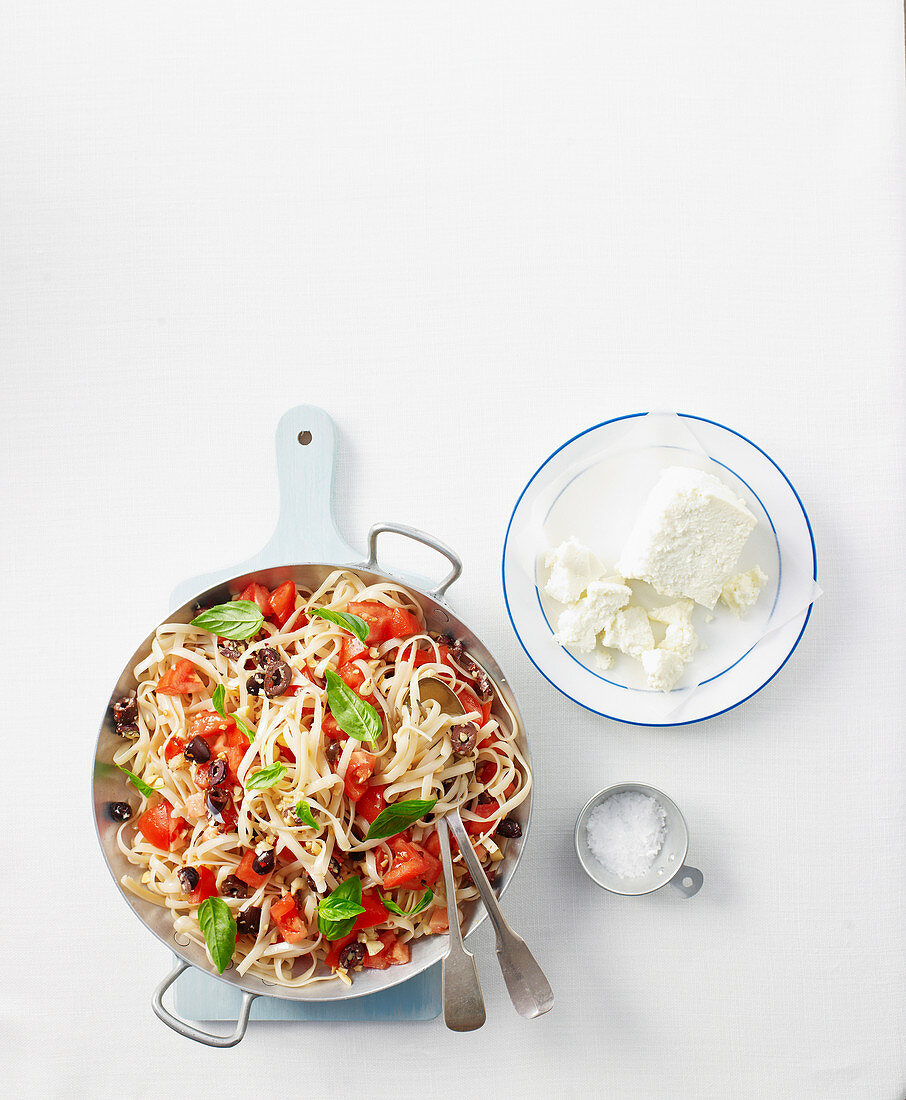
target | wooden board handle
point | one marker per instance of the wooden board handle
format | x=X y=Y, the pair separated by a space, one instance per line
x=306 y=445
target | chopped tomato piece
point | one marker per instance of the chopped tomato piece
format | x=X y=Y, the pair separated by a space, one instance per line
x=485 y=772
x=173 y=747
x=288 y=919
x=489 y=740
x=203 y=776
x=370 y=804
x=381 y=960
x=331 y=730
x=318 y=681
x=257 y=593
x=283 y=602
x=486 y=809
x=352 y=649
x=208 y=723
x=333 y=952
x=399 y=953
x=429 y=656
x=432 y=844
x=286 y=855
x=402 y=624
x=377 y=616
x=412 y=867
x=232 y=745
x=358 y=772
x=352 y=676
x=206 y=888
x=439 y=921
x=182 y=679
x=158 y=826
x=286 y=754
x=374 y=914
x=246 y=872
x=470 y=701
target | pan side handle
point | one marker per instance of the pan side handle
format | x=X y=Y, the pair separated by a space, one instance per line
x=181 y=1027
x=423 y=537
x=306 y=446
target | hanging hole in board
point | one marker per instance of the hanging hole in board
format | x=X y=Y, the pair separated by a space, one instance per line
x=305 y=438
x=687 y=882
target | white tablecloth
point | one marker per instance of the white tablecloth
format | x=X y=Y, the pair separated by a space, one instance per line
x=468 y=232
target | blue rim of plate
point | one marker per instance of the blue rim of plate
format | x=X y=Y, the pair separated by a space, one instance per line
x=601 y=713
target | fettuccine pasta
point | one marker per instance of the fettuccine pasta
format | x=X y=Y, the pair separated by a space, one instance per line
x=258 y=790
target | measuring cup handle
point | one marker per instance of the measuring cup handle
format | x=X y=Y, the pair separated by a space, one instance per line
x=693 y=876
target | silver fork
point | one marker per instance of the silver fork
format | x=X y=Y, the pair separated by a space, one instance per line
x=463 y=1003
x=529 y=989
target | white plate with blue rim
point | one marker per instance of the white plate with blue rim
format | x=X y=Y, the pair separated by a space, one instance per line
x=592 y=487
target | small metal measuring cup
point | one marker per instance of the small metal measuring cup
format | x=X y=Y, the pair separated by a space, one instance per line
x=668 y=866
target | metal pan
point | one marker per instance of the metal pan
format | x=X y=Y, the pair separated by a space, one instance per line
x=306 y=531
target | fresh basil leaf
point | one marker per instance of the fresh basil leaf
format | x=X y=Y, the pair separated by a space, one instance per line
x=238 y=620
x=344 y=903
x=353 y=715
x=398 y=816
x=334 y=929
x=353 y=623
x=219 y=930
x=244 y=726
x=218 y=700
x=422 y=904
x=305 y=816
x=266 y=777
x=137 y=782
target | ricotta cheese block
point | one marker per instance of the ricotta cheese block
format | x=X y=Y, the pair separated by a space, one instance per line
x=580 y=624
x=741 y=592
x=629 y=631
x=688 y=536
x=572 y=567
x=662 y=668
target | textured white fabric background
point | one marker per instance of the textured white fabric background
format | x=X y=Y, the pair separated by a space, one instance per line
x=468 y=232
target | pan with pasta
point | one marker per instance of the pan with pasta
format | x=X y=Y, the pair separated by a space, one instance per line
x=280 y=773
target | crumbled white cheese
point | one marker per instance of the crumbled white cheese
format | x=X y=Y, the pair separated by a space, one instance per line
x=573 y=566
x=679 y=613
x=681 y=639
x=663 y=669
x=604 y=659
x=688 y=536
x=580 y=624
x=742 y=591
x=629 y=632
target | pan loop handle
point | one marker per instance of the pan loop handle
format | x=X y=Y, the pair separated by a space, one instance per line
x=185 y=1029
x=417 y=536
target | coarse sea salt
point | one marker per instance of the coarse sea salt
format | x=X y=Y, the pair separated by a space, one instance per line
x=626 y=832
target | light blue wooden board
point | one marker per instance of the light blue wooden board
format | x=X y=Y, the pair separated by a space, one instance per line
x=306 y=532
x=201 y=998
